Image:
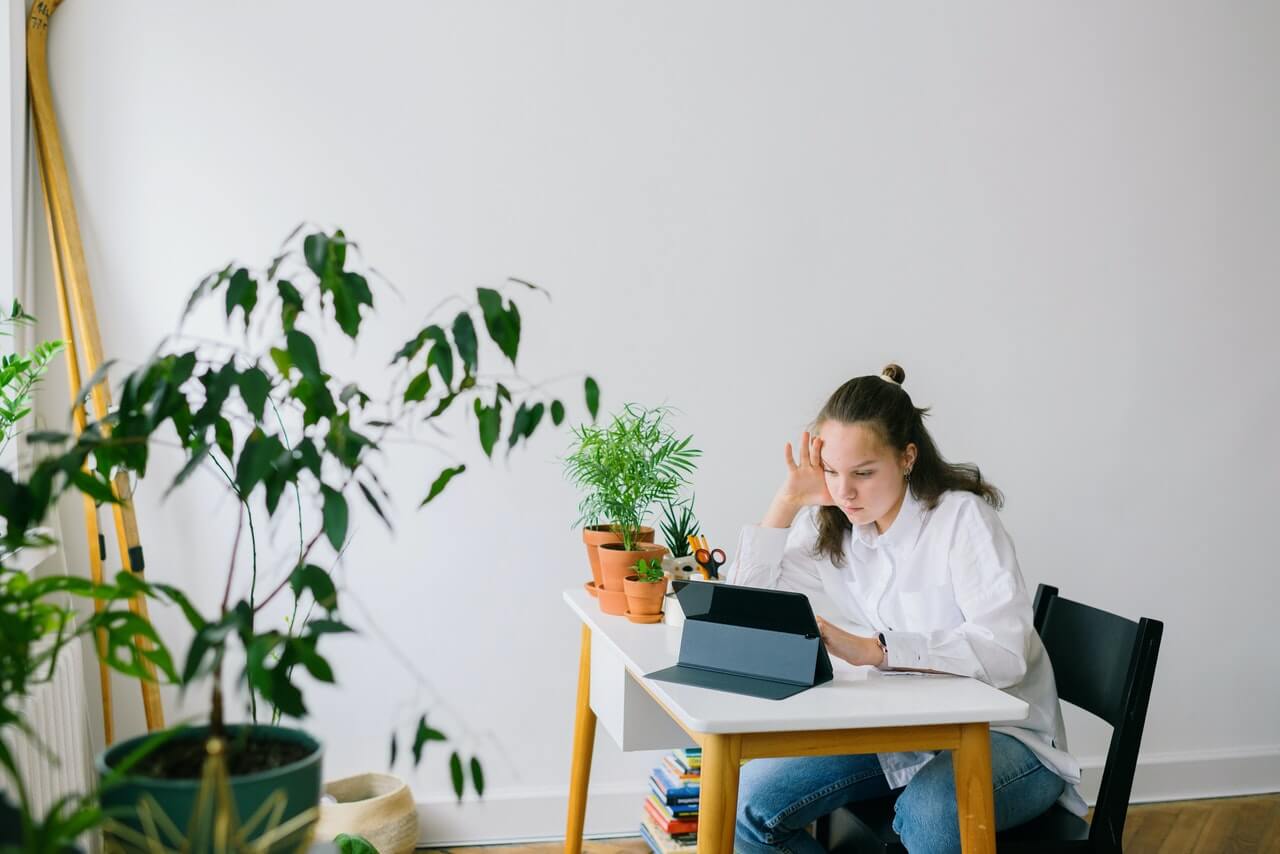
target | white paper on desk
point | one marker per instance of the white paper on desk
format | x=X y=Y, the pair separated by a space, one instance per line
x=907 y=673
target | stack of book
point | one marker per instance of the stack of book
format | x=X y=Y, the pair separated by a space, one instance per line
x=671 y=811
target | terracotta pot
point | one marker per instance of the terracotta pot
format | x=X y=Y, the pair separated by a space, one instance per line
x=596 y=535
x=613 y=602
x=378 y=807
x=616 y=564
x=645 y=597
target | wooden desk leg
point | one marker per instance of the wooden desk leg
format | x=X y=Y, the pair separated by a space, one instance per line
x=584 y=740
x=718 y=807
x=974 y=797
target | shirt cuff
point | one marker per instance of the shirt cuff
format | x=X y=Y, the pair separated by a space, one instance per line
x=906 y=649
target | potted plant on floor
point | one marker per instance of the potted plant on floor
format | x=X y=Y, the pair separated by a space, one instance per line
x=268 y=415
x=624 y=468
x=645 y=592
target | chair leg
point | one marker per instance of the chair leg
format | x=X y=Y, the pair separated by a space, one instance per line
x=822 y=831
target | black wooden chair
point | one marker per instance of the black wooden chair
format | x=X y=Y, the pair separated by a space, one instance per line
x=1102 y=663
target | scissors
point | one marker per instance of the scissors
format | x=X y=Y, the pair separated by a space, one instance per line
x=710 y=560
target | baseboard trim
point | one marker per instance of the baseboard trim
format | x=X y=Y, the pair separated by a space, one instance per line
x=538 y=815
x=528 y=816
x=1193 y=775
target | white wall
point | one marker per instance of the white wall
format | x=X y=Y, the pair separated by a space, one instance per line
x=1058 y=217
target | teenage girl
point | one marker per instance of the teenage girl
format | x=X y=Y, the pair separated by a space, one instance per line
x=882 y=533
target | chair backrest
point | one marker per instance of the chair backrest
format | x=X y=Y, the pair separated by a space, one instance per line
x=1104 y=664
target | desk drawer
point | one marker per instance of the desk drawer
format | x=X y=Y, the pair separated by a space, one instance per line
x=624 y=708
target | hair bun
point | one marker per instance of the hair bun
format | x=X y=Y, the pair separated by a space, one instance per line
x=893 y=371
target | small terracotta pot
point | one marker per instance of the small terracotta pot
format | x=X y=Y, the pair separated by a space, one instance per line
x=645 y=597
x=613 y=602
x=616 y=564
x=596 y=535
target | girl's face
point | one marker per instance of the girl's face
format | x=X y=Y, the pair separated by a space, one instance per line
x=864 y=475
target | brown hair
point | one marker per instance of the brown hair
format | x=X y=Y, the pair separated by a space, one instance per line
x=887 y=409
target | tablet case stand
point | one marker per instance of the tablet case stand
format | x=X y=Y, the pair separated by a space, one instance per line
x=748 y=660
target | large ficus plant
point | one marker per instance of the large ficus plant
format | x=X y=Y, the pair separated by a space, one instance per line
x=268 y=415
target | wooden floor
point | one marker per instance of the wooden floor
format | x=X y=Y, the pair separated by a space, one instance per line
x=1221 y=826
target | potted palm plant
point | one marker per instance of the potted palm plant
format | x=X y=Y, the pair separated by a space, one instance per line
x=624 y=468
x=269 y=416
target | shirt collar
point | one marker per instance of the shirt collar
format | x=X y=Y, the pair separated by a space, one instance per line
x=904 y=530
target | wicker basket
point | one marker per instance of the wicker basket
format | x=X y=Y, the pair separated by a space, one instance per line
x=378 y=807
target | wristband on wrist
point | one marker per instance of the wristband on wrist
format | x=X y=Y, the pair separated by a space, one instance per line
x=884 y=650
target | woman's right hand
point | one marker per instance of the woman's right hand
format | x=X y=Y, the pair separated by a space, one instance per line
x=805 y=485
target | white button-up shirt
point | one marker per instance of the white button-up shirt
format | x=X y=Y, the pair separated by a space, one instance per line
x=945 y=588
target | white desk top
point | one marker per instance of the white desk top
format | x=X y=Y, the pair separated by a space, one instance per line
x=858 y=697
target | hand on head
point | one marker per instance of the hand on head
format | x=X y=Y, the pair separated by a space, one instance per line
x=806 y=484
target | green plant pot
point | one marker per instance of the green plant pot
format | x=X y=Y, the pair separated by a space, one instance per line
x=283 y=801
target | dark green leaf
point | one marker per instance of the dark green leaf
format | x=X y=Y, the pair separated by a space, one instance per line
x=445 y=403
x=557 y=412
x=317 y=666
x=335 y=516
x=518 y=424
x=464 y=338
x=410 y=348
x=535 y=416
x=180 y=599
x=350 y=292
x=418 y=388
x=254 y=388
x=373 y=502
x=319 y=582
x=47 y=437
x=315 y=251
x=455 y=773
x=337 y=258
x=423 y=735
x=502 y=324
x=593 y=397
x=477 y=776
x=326 y=627
x=490 y=423
x=441 y=482
x=242 y=291
x=290 y=303
x=441 y=356
x=257 y=456
x=223 y=437
x=395 y=749
x=94 y=485
x=302 y=352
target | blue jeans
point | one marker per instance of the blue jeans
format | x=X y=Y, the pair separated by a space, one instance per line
x=778 y=798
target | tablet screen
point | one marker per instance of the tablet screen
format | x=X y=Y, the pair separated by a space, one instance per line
x=756 y=607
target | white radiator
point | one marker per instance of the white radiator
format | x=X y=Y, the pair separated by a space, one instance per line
x=55 y=710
